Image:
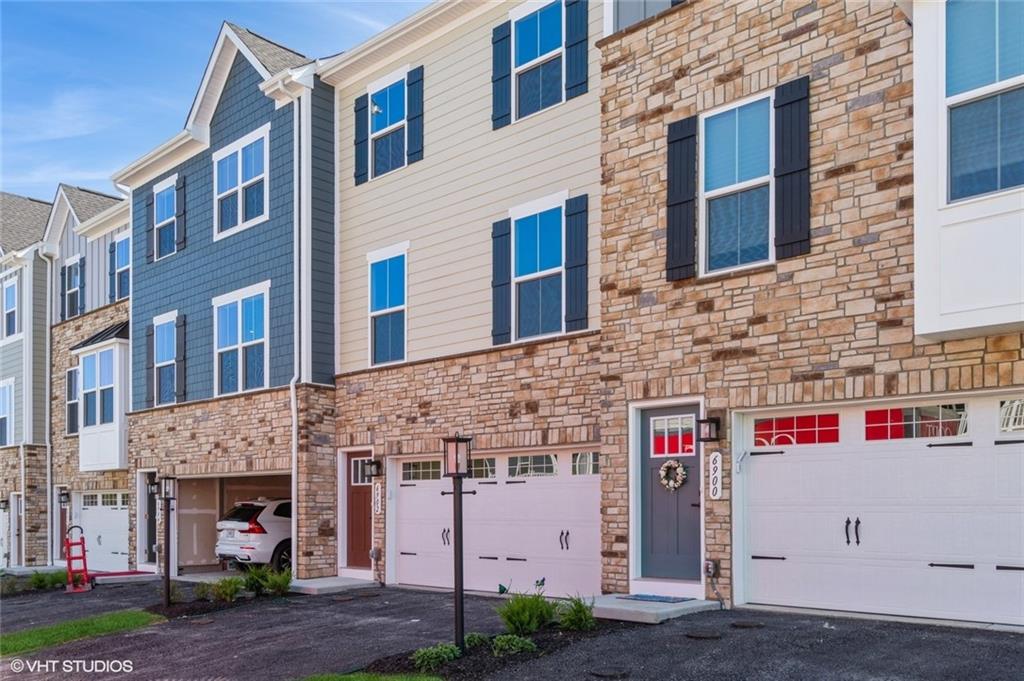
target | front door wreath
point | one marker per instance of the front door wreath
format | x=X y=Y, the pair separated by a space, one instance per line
x=672 y=475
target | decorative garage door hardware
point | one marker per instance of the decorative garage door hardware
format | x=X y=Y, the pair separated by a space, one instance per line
x=407 y=484
x=407 y=553
x=487 y=557
x=446 y=536
x=515 y=482
x=1010 y=567
x=1008 y=442
x=768 y=453
x=488 y=482
x=767 y=558
x=563 y=540
x=961 y=566
x=950 y=444
x=856 y=530
x=518 y=560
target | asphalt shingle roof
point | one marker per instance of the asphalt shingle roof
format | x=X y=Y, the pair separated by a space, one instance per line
x=274 y=57
x=119 y=330
x=88 y=203
x=22 y=221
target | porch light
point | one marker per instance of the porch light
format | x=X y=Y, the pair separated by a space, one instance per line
x=64 y=498
x=456 y=456
x=153 y=489
x=372 y=468
x=707 y=429
x=4 y=504
x=168 y=487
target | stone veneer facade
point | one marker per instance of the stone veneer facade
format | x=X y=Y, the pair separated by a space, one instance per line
x=535 y=394
x=834 y=324
x=23 y=470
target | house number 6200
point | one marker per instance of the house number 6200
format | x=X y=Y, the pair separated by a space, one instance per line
x=715 y=477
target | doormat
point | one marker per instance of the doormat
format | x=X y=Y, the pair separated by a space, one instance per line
x=652 y=598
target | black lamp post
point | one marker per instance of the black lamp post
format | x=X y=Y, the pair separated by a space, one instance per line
x=456 y=466
x=168 y=489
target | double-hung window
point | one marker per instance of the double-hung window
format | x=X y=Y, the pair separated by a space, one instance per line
x=538 y=55
x=97 y=388
x=164 y=225
x=387 y=308
x=122 y=267
x=240 y=339
x=736 y=188
x=538 y=270
x=985 y=95
x=387 y=124
x=6 y=412
x=10 y=308
x=72 y=288
x=241 y=198
x=71 y=400
x=164 y=355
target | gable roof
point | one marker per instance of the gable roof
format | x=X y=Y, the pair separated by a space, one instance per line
x=22 y=221
x=273 y=56
x=87 y=203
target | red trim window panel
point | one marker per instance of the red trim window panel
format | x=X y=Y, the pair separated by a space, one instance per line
x=947 y=420
x=805 y=429
x=672 y=436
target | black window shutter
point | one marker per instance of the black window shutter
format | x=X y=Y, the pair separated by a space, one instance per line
x=81 y=285
x=111 y=275
x=179 y=359
x=681 y=235
x=179 y=212
x=792 y=168
x=149 y=227
x=414 y=114
x=501 y=282
x=575 y=48
x=501 y=75
x=576 y=263
x=362 y=134
x=149 y=365
x=63 y=292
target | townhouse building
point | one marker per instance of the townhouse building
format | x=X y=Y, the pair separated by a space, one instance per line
x=23 y=376
x=812 y=234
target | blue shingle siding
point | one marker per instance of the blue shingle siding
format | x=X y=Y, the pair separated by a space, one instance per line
x=188 y=281
x=323 y=188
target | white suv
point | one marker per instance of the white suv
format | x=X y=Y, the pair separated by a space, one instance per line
x=257 y=532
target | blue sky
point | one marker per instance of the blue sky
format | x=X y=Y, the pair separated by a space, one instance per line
x=87 y=87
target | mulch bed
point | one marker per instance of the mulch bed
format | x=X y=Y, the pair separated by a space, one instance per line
x=480 y=661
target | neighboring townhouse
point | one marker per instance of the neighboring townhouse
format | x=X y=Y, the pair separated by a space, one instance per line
x=23 y=378
x=90 y=284
x=469 y=222
x=232 y=324
x=762 y=266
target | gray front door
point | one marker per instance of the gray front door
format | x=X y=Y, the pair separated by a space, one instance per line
x=670 y=520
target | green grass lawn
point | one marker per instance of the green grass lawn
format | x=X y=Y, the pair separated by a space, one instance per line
x=369 y=677
x=26 y=641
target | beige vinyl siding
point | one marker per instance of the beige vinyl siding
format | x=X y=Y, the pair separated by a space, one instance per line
x=469 y=178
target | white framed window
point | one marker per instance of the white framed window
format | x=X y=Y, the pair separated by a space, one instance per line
x=387 y=303
x=1011 y=415
x=97 y=371
x=538 y=267
x=165 y=349
x=241 y=353
x=165 y=231
x=10 y=307
x=421 y=470
x=72 y=286
x=241 y=192
x=122 y=266
x=90 y=500
x=71 y=401
x=672 y=435
x=984 y=91
x=538 y=57
x=482 y=468
x=388 y=131
x=532 y=465
x=586 y=463
x=6 y=412
x=357 y=477
x=735 y=192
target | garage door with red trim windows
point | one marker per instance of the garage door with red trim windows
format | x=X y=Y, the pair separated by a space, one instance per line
x=534 y=520
x=899 y=508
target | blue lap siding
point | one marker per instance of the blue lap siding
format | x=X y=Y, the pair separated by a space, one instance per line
x=322 y=204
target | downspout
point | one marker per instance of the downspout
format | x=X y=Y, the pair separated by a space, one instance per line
x=49 y=253
x=293 y=396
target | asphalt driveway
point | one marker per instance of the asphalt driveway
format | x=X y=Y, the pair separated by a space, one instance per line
x=283 y=638
x=788 y=647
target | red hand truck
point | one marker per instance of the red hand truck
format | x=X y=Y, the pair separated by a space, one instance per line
x=78 y=577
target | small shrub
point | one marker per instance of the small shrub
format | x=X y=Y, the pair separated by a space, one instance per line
x=256 y=579
x=39 y=580
x=524 y=614
x=201 y=591
x=510 y=644
x=431 y=658
x=57 y=580
x=576 y=614
x=474 y=639
x=78 y=579
x=278 y=583
x=227 y=589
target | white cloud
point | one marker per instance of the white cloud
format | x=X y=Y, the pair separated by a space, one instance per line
x=69 y=114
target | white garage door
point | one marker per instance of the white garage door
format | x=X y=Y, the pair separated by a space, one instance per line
x=534 y=518
x=104 y=520
x=908 y=509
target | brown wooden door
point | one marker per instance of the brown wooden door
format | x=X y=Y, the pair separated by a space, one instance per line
x=358 y=515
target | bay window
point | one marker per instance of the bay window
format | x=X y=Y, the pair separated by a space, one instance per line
x=97 y=388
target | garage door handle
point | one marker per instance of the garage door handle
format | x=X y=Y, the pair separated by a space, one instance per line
x=856 y=531
x=561 y=539
x=567 y=540
x=1008 y=442
x=847 y=531
x=962 y=566
x=950 y=444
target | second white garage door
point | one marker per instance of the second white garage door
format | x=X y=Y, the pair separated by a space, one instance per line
x=908 y=509
x=535 y=518
x=104 y=519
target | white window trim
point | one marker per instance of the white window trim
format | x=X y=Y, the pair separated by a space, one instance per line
x=167 y=183
x=372 y=258
x=8 y=385
x=379 y=84
x=556 y=200
x=127 y=236
x=98 y=389
x=165 y=318
x=514 y=15
x=237 y=297
x=77 y=401
x=684 y=418
x=9 y=284
x=263 y=132
x=354 y=473
x=703 y=197
x=68 y=263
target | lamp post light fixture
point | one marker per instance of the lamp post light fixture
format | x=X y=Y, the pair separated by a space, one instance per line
x=456 y=466
x=64 y=498
x=168 y=490
x=708 y=429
